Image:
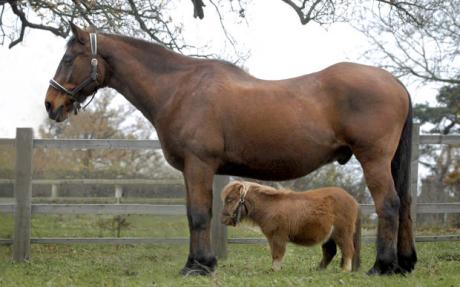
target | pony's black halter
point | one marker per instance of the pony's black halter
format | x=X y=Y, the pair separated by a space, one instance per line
x=92 y=78
x=237 y=214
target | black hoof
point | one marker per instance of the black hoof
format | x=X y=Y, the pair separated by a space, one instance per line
x=199 y=267
x=407 y=261
x=385 y=269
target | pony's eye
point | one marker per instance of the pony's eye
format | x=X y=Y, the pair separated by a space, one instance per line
x=228 y=200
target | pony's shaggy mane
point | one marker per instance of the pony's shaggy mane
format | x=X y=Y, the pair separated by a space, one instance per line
x=253 y=187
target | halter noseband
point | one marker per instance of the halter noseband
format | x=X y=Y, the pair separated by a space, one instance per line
x=92 y=78
x=237 y=214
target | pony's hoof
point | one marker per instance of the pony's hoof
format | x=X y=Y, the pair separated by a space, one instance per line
x=195 y=268
x=407 y=262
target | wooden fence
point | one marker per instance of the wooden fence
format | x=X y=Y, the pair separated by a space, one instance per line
x=23 y=207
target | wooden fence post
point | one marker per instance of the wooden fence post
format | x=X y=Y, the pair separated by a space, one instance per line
x=23 y=194
x=218 y=230
x=118 y=193
x=414 y=171
x=54 y=191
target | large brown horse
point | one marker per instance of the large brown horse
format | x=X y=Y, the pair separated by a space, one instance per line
x=213 y=118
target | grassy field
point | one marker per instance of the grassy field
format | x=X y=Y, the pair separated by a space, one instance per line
x=247 y=265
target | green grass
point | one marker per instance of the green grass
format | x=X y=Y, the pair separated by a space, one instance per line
x=247 y=265
x=143 y=265
x=44 y=225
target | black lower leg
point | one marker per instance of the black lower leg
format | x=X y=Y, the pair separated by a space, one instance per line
x=387 y=261
x=407 y=256
x=329 y=251
x=201 y=260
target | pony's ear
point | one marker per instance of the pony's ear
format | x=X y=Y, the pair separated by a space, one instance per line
x=243 y=188
x=79 y=33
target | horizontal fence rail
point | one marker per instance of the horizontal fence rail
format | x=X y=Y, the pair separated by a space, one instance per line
x=440 y=139
x=116 y=181
x=184 y=240
x=155 y=209
x=24 y=141
x=96 y=144
x=8 y=142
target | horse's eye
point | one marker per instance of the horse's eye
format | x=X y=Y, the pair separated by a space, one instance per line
x=228 y=200
x=67 y=60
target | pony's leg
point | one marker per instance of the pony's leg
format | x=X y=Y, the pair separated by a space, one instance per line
x=346 y=246
x=277 y=247
x=377 y=172
x=329 y=251
x=198 y=180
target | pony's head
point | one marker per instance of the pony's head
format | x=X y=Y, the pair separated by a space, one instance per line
x=79 y=74
x=234 y=198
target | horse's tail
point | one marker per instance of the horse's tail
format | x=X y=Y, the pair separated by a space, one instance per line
x=356 y=261
x=400 y=170
x=400 y=165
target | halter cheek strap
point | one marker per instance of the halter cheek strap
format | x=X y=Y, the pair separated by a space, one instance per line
x=92 y=78
x=237 y=214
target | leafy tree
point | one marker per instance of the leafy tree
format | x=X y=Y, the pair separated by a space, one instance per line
x=443 y=162
x=445 y=118
x=101 y=120
x=7 y=162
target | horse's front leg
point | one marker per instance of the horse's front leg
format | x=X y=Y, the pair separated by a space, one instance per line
x=198 y=180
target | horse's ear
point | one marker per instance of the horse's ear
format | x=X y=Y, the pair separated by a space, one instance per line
x=79 y=33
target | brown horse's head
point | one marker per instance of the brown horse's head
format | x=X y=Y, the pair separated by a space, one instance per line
x=235 y=206
x=79 y=74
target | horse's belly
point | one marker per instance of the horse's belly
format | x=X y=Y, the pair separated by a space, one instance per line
x=267 y=167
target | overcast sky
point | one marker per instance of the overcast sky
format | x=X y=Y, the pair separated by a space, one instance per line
x=280 y=48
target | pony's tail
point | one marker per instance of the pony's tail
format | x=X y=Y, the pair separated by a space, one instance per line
x=356 y=261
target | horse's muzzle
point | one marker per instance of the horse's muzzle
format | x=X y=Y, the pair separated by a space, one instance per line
x=57 y=114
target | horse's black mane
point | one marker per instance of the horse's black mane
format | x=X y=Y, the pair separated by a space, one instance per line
x=71 y=41
x=147 y=45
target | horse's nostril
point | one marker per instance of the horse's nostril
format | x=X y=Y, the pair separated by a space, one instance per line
x=48 y=106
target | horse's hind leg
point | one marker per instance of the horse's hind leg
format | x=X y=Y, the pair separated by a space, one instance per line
x=329 y=250
x=407 y=256
x=377 y=172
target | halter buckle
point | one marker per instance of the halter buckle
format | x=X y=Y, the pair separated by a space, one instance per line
x=76 y=107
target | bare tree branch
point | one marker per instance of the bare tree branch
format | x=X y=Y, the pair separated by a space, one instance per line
x=25 y=23
x=423 y=45
x=198 y=9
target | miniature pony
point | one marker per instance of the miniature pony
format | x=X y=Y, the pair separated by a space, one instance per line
x=327 y=216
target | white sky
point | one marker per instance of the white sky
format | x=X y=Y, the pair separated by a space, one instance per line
x=280 y=48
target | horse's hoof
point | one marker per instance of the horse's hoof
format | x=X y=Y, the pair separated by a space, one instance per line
x=194 y=268
x=407 y=262
x=385 y=269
